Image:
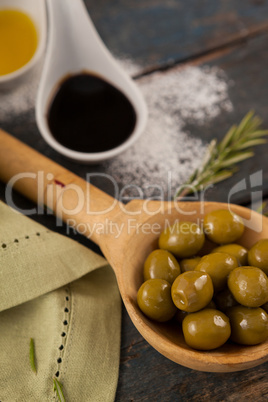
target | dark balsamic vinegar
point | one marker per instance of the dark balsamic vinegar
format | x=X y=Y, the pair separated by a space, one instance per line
x=87 y=114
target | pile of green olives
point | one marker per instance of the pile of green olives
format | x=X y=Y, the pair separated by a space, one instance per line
x=215 y=297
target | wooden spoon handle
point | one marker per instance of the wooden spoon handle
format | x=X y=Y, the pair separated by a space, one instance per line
x=45 y=182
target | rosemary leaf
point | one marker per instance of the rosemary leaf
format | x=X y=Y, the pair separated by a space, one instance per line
x=258 y=134
x=243 y=126
x=58 y=389
x=32 y=356
x=236 y=159
x=220 y=160
x=226 y=140
x=261 y=207
x=218 y=177
x=208 y=155
x=193 y=176
x=252 y=143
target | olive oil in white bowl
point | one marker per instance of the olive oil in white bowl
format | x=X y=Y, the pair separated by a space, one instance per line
x=23 y=31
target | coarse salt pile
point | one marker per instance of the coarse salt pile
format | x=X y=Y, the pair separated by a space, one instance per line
x=165 y=154
x=21 y=99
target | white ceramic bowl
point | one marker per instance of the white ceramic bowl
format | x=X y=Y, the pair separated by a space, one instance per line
x=36 y=10
x=74 y=46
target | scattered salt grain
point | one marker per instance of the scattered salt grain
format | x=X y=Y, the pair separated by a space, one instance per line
x=165 y=154
x=21 y=99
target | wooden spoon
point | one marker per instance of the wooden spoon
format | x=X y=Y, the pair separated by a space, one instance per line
x=101 y=217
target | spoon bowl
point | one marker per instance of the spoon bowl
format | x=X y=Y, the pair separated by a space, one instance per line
x=74 y=47
x=127 y=234
x=167 y=338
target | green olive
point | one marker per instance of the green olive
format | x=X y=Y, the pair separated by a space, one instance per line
x=206 y=329
x=225 y=300
x=192 y=291
x=223 y=227
x=249 y=286
x=161 y=264
x=258 y=255
x=154 y=300
x=183 y=239
x=249 y=325
x=218 y=266
x=189 y=264
x=240 y=252
x=181 y=314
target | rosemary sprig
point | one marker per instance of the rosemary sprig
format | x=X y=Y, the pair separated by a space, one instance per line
x=32 y=356
x=58 y=389
x=263 y=209
x=220 y=160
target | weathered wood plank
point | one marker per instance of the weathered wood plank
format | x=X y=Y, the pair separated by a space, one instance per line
x=145 y=375
x=247 y=80
x=245 y=69
x=155 y=33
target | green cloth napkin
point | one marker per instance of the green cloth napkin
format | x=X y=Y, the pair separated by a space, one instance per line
x=64 y=297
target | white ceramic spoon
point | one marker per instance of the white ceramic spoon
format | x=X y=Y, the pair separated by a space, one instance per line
x=74 y=46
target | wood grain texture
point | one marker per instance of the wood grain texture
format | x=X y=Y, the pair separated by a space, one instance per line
x=244 y=68
x=145 y=375
x=156 y=33
x=126 y=252
x=47 y=183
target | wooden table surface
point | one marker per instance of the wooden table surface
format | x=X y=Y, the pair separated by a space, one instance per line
x=166 y=36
